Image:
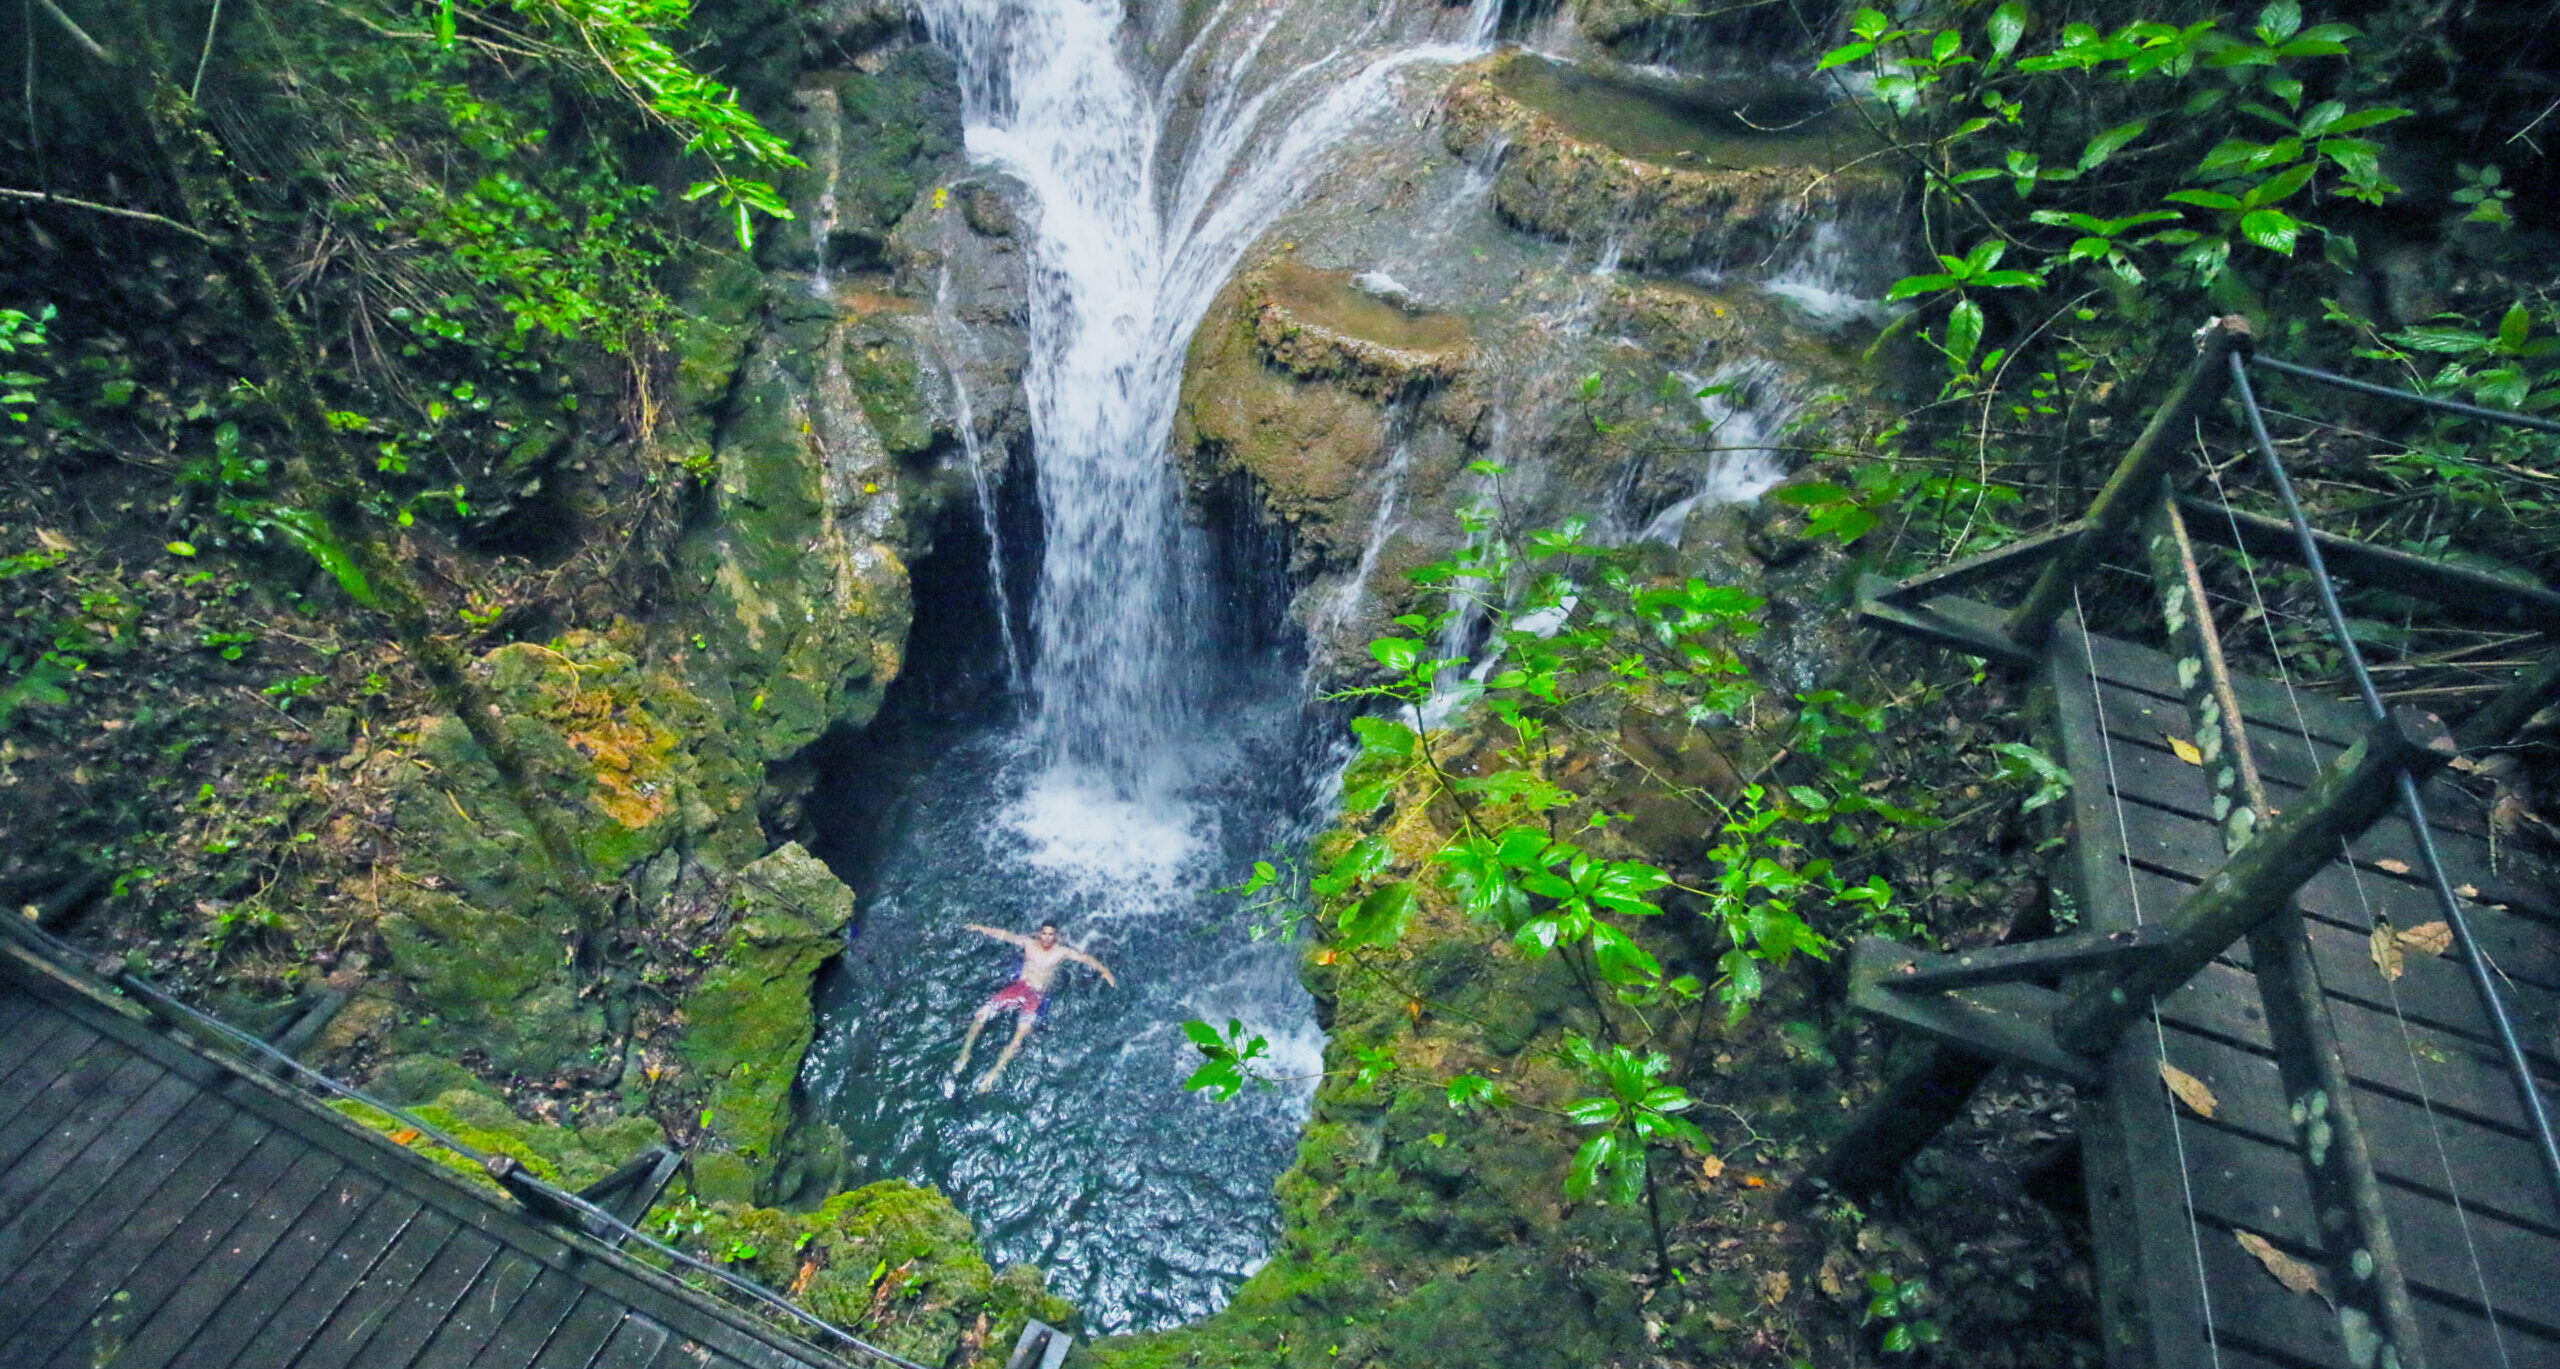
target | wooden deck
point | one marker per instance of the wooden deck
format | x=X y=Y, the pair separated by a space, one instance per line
x=162 y=1206
x=2475 y=1221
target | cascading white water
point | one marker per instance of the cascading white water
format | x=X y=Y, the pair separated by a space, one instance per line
x=1136 y=231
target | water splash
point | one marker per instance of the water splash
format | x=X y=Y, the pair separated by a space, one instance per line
x=1745 y=407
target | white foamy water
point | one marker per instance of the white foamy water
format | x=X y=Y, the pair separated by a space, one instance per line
x=1136 y=231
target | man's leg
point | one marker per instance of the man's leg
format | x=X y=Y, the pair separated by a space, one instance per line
x=969 y=1043
x=1021 y=1028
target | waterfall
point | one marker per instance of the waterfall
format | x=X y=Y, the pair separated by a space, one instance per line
x=964 y=413
x=1136 y=231
x=1152 y=767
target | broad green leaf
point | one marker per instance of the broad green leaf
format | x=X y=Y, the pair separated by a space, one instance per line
x=2432 y=338
x=1620 y=959
x=1396 y=654
x=1964 y=331
x=2272 y=229
x=1841 y=56
x=2204 y=199
x=1909 y=286
x=2513 y=328
x=1807 y=493
x=2364 y=119
x=2281 y=19
x=1381 y=918
x=1384 y=738
x=2008 y=25
x=2282 y=188
x=2111 y=142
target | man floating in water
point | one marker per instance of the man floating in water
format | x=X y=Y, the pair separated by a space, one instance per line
x=1041 y=957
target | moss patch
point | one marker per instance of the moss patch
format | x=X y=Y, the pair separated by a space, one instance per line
x=892 y=1263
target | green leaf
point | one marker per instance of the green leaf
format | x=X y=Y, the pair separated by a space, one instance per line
x=2365 y=118
x=1964 y=331
x=1588 y=1162
x=2281 y=19
x=2432 y=338
x=2008 y=25
x=1842 y=56
x=1620 y=959
x=1385 y=738
x=2280 y=189
x=182 y=549
x=1910 y=286
x=1381 y=918
x=1396 y=654
x=1808 y=493
x=2111 y=142
x=2513 y=328
x=2204 y=199
x=2272 y=229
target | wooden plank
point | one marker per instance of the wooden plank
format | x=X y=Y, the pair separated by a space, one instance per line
x=2262 y=702
x=304 y=1248
x=2439 y=1153
x=2026 y=551
x=2448 y=588
x=530 y=1324
x=40 y=1262
x=479 y=1312
x=379 y=1294
x=142 y=1090
x=2253 y=1312
x=635 y=1342
x=2431 y=989
x=2156 y=1248
x=2245 y=1183
x=219 y=1272
x=2222 y=1001
x=79 y=1064
x=581 y=1333
x=44 y=1305
x=107 y=1172
x=431 y=1300
x=301 y=1313
x=37 y=1042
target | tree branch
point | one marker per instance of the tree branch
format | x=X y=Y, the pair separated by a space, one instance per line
x=43 y=197
x=78 y=35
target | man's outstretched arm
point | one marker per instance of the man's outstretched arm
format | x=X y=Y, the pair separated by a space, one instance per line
x=1089 y=960
x=998 y=933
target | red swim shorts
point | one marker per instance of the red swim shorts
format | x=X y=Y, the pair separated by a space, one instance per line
x=1020 y=997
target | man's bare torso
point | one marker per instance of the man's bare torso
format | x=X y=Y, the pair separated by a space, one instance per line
x=1039 y=966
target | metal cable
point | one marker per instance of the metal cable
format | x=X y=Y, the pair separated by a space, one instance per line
x=2355 y=878
x=2159 y=1033
x=748 y=1288
x=2367 y=387
x=2414 y=806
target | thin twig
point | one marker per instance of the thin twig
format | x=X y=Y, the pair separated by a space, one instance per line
x=211 y=26
x=41 y=197
x=78 y=35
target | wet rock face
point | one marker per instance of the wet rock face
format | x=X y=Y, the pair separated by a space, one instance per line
x=1672 y=174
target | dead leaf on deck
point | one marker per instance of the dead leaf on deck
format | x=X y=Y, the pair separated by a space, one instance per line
x=2292 y=1273
x=1754 y=1181
x=2397 y=867
x=404 y=1136
x=2427 y=938
x=2384 y=946
x=2185 y=750
x=2189 y=1089
x=1713 y=1167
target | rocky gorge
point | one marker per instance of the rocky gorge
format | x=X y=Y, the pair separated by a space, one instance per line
x=997 y=538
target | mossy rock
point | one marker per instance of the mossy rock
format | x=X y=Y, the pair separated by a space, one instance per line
x=893 y=1263
x=1312 y=446
x=750 y=1020
x=570 y=1157
x=487 y=981
x=1593 y=157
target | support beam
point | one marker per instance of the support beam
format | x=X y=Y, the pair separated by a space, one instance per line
x=2026 y=551
x=2499 y=720
x=2365 y=1275
x=2457 y=590
x=2045 y=958
x=1996 y=1021
x=2128 y=492
x=1962 y=624
x=2351 y=796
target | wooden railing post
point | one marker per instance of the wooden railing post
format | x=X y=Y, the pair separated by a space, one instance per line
x=2128 y=492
